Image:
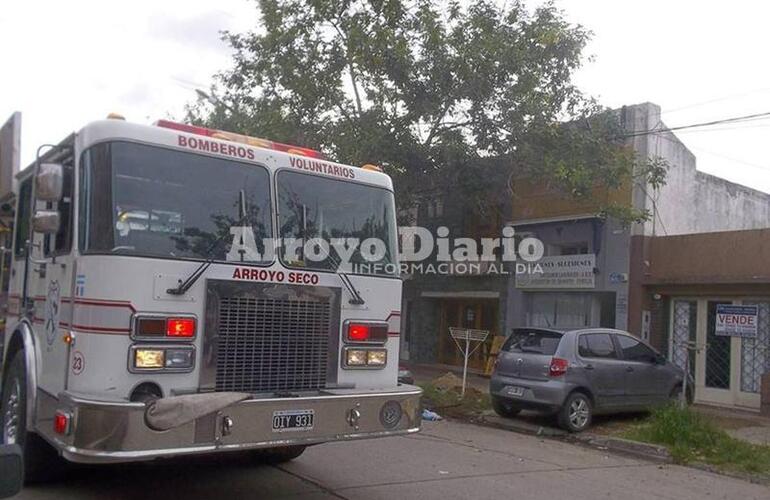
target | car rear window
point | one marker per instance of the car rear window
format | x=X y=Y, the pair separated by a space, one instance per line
x=533 y=341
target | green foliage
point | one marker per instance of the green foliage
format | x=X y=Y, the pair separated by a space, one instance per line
x=450 y=403
x=422 y=87
x=690 y=437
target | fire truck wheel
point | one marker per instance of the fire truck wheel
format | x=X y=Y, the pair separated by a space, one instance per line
x=279 y=455
x=41 y=462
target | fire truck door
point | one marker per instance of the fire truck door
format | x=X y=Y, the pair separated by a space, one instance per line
x=50 y=286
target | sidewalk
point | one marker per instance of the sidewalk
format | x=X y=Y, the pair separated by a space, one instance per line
x=743 y=425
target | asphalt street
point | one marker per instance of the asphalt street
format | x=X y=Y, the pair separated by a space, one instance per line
x=447 y=460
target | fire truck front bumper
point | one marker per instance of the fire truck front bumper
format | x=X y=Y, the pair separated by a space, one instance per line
x=103 y=431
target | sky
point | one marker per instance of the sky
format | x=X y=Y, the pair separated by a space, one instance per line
x=63 y=64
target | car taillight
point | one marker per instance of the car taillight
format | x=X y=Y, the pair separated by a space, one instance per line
x=180 y=327
x=558 y=367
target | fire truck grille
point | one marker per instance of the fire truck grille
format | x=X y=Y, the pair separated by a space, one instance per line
x=268 y=345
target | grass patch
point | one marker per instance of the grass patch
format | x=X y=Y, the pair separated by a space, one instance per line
x=447 y=402
x=691 y=437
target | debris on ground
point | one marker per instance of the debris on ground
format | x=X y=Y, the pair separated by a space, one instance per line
x=430 y=416
x=447 y=382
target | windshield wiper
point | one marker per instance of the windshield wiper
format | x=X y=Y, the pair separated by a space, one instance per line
x=356 y=298
x=186 y=284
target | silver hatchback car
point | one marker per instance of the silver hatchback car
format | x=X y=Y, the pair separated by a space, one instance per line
x=579 y=373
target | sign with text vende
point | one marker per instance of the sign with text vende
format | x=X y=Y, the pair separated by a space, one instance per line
x=560 y=271
x=736 y=321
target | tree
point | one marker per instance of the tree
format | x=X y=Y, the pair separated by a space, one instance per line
x=422 y=87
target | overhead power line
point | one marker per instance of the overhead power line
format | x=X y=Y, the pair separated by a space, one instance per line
x=716 y=99
x=737 y=119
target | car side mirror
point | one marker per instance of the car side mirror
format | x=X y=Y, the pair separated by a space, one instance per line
x=46 y=221
x=49 y=182
x=659 y=360
x=11 y=470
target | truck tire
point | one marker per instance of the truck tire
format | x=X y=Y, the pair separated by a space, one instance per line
x=279 y=455
x=41 y=462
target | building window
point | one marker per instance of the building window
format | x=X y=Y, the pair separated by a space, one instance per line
x=518 y=236
x=434 y=208
x=562 y=310
x=439 y=209
x=568 y=249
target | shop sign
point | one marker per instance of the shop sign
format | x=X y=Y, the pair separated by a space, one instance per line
x=560 y=271
x=736 y=321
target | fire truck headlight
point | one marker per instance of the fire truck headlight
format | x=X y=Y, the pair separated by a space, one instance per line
x=355 y=357
x=149 y=358
x=376 y=357
x=365 y=357
x=179 y=358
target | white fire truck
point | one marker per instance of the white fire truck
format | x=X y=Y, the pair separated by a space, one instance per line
x=148 y=316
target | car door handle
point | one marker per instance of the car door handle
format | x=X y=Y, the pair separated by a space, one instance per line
x=589 y=367
x=629 y=368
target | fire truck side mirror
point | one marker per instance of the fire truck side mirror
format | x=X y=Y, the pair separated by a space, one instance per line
x=49 y=182
x=46 y=221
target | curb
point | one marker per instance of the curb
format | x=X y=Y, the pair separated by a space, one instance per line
x=651 y=452
x=752 y=478
x=636 y=449
x=646 y=451
x=515 y=425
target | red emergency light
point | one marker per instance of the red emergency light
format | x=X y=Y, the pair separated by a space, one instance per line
x=61 y=423
x=180 y=327
x=243 y=139
x=366 y=332
x=358 y=333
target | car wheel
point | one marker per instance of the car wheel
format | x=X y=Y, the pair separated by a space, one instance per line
x=504 y=408
x=41 y=462
x=279 y=455
x=577 y=412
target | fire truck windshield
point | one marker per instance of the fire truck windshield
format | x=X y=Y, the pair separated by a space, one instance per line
x=151 y=201
x=321 y=208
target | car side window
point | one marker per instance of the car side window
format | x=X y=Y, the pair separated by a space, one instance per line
x=22 y=218
x=633 y=350
x=596 y=345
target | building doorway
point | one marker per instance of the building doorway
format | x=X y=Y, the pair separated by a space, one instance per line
x=479 y=314
x=727 y=370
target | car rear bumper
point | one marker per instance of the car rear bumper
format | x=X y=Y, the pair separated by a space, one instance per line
x=540 y=395
x=103 y=432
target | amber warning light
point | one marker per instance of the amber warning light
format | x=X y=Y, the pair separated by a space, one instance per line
x=243 y=139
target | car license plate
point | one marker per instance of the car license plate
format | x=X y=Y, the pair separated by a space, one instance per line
x=514 y=391
x=293 y=420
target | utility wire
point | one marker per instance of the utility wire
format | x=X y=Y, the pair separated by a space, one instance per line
x=716 y=99
x=737 y=119
x=750 y=126
x=736 y=160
